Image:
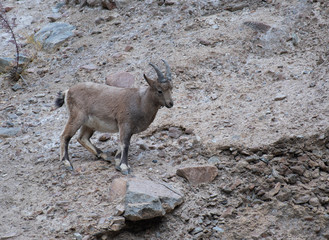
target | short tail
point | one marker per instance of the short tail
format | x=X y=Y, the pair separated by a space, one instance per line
x=60 y=100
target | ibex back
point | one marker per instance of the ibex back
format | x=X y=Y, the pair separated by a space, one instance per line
x=98 y=107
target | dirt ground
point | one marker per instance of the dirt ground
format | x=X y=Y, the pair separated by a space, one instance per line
x=251 y=96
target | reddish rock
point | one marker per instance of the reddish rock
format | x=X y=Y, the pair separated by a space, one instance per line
x=128 y=48
x=8 y=8
x=121 y=79
x=109 y=4
x=105 y=137
x=198 y=174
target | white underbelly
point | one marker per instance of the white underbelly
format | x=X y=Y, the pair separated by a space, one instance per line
x=102 y=126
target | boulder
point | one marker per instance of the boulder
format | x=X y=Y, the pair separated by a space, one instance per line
x=53 y=35
x=198 y=174
x=144 y=199
x=121 y=79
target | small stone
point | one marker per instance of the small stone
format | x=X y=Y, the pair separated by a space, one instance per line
x=104 y=137
x=128 y=48
x=298 y=169
x=8 y=8
x=54 y=17
x=109 y=4
x=275 y=190
x=197 y=230
x=314 y=201
x=77 y=236
x=228 y=212
x=292 y=178
x=302 y=199
x=16 y=87
x=89 y=67
x=188 y=131
x=284 y=194
x=214 y=160
x=40 y=95
x=175 y=132
x=99 y=20
x=198 y=174
x=217 y=229
x=120 y=209
x=280 y=97
x=205 y=42
x=117 y=223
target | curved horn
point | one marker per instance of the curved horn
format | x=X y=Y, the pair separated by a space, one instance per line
x=161 y=78
x=168 y=72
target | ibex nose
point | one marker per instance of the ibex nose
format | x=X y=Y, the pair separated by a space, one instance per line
x=170 y=105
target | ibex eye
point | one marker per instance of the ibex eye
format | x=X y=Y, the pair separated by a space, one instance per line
x=159 y=91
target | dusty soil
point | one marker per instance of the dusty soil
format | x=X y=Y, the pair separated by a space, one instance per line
x=251 y=94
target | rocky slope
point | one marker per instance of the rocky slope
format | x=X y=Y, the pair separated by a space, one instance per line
x=251 y=97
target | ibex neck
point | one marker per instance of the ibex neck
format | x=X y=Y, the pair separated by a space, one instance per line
x=150 y=104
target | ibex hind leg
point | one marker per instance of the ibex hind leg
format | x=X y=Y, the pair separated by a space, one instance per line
x=72 y=126
x=84 y=139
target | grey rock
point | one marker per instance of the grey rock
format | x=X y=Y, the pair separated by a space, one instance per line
x=280 y=97
x=16 y=87
x=146 y=199
x=175 y=132
x=9 y=132
x=314 y=201
x=6 y=62
x=217 y=229
x=214 y=160
x=197 y=230
x=77 y=236
x=302 y=199
x=53 y=35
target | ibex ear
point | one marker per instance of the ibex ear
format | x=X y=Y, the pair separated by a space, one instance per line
x=149 y=81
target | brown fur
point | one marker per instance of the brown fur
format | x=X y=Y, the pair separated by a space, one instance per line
x=97 y=107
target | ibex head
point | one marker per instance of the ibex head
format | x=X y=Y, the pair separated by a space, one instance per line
x=162 y=87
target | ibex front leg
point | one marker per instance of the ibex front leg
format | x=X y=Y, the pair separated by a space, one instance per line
x=122 y=165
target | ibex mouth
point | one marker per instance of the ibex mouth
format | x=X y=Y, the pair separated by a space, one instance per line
x=169 y=105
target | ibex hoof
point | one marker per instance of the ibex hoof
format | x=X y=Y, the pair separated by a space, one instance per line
x=123 y=168
x=68 y=165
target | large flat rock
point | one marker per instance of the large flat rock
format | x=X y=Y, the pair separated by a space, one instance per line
x=53 y=35
x=144 y=199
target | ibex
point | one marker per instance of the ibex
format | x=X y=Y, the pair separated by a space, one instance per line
x=99 y=107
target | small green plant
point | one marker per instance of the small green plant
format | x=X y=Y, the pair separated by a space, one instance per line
x=8 y=25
